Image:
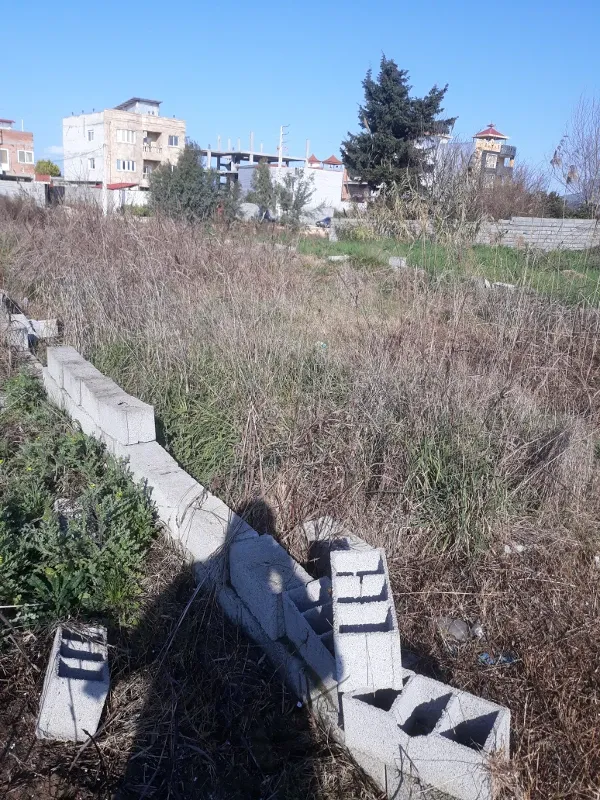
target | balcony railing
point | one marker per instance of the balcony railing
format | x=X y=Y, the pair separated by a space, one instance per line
x=152 y=150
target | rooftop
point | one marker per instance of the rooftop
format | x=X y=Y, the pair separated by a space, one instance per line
x=490 y=133
x=7 y=121
x=313 y=159
x=333 y=160
x=132 y=100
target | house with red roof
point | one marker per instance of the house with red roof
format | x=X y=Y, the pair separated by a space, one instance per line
x=493 y=158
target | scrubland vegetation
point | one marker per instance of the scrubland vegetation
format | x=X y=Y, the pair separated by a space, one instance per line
x=455 y=425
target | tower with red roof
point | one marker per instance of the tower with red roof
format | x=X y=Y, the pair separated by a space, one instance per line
x=493 y=158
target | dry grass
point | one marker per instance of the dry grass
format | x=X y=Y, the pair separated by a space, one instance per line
x=436 y=420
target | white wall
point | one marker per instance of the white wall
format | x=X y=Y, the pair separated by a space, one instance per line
x=77 y=150
x=327 y=184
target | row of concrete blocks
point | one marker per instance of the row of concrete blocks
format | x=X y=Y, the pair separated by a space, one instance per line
x=18 y=330
x=336 y=637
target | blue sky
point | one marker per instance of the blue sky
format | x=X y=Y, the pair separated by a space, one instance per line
x=229 y=68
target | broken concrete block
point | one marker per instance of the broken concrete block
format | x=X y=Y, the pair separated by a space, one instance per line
x=260 y=572
x=430 y=731
x=121 y=416
x=57 y=357
x=396 y=262
x=338 y=258
x=365 y=630
x=45 y=328
x=324 y=535
x=76 y=685
x=308 y=618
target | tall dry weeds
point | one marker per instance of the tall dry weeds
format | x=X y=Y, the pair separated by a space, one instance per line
x=443 y=422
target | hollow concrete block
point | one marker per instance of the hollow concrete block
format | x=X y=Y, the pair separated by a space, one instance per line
x=308 y=618
x=324 y=535
x=75 y=686
x=75 y=372
x=121 y=416
x=365 y=631
x=260 y=572
x=430 y=732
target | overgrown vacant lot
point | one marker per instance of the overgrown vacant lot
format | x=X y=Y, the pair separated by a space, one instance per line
x=441 y=421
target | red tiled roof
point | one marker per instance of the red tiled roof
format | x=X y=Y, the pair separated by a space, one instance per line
x=313 y=159
x=333 y=160
x=120 y=185
x=490 y=131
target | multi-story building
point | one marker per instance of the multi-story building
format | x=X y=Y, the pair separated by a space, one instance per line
x=122 y=144
x=493 y=158
x=16 y=152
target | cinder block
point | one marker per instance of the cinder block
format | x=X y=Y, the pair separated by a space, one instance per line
x=365 y=631
x=75 y=686
x=429 y=731
x=260 y=572
x=53 y=390
x=57 y=357
x=121 y=416
x=308 y=618
x=86 y=423
x=74 y=374
x=324 y=535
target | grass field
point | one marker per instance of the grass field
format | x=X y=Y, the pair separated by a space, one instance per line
x=457 y=428
x=569 y=276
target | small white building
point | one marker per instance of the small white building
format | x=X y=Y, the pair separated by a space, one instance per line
x=122 y=144
x=326 y=183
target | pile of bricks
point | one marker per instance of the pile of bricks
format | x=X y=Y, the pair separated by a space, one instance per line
x=333 y=634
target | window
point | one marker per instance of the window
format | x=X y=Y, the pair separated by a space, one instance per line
x=125 y=165
x=125 y=136
x=90 y=136
x=4 y=158
x=25 y=156
x=147 y=170
x=173 y=141
x=92 y=163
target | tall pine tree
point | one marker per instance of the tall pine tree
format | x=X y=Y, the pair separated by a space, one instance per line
x=392 y=121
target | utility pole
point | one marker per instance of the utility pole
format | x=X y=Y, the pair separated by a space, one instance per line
x=104 y=171
x=282 y=133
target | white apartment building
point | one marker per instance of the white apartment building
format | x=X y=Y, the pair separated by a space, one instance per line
x=122 y=144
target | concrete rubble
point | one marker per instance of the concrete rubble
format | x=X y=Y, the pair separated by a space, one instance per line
x=331 y=631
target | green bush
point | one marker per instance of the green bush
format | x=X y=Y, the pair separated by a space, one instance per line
x=84 y=554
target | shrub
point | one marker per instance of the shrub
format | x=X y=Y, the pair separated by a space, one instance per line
x=73 y=527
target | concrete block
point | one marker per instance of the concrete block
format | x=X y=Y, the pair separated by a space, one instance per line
x=55 y=394
x=308 y=619
x=75 y=686
x=45 y=328
x=74 y=373
x=121 y=416
x=260 y=572
x=86 y=423
x=57 y=357
x=324 y=535
x=365 y=630
x=429 y=731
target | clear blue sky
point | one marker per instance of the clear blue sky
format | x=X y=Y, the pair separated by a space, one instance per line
x=229 y=68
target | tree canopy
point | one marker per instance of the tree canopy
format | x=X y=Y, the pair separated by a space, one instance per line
x=46 y=167
x=187 y=190
x=391 y=121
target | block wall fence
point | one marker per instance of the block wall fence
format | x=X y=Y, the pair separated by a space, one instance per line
x=332 y=635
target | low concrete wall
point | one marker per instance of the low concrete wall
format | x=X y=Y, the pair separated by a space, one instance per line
x=520 y=232
x=27 y=190
x=363 y=694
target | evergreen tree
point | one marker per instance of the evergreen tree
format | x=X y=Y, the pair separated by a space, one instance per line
x=391 y=122
x=189 y=191
x=263 y=191
x=46 y=167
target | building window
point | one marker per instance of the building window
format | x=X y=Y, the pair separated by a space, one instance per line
x=25 y=156
x=173 y=141
x=125 y=136
x=4 y=158
x=125 y=165
x=90 y=136
x=92 y=163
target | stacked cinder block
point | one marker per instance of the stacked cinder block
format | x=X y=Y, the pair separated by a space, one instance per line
x=430 y=732
x=365 y=628
x=325 y=534
x=75 y=686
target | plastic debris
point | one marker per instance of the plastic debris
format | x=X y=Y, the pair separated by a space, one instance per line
x=502 y=659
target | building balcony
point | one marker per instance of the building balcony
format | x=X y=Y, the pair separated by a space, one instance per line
x=153 y=152
x=507 y=151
